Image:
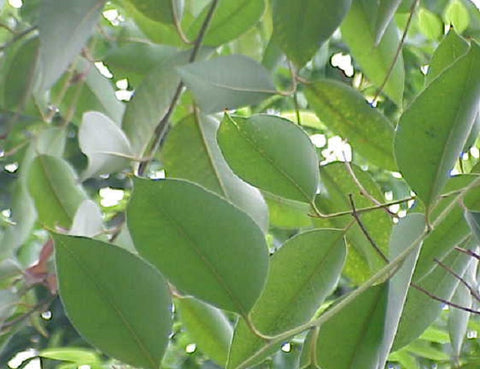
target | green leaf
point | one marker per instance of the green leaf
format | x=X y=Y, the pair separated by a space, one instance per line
x=429 y=24
x=209 y=327
x=375 y=60
x=223 y=255
x=75 y=355
x=405 y=233
x=231 y=19
x=303 y=272
x=351 y=338
x=64 y=28
x=453 y=230
x=473 y=220
x=439 y=123
x=448 y=51
x=55 y=191
x=227 y=82
x=420 y=309
x=272 y=154
x=335 y=184
x=104 y=143
x=151 y=101
x=287 y=214
x=301 y=27
x=88 y=220
x=191 y=152
x=158 y=10
x=346 y=112
x=92 y=92
x=456 y=14
x=385 y=13
x=128 y=299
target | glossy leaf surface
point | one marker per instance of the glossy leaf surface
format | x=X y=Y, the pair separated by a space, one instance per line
x=270 y=153
x=101 y=280
x=224 y=254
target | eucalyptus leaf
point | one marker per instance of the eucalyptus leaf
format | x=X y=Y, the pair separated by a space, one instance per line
x=224 y=254
x=101 y=280
x=272 y=154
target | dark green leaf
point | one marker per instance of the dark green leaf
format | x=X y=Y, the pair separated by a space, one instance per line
x=336 y=183
x=191 y=152
x=346 y=112
x=55 y=191
x=231 y=19
x=374 y=59
x=227 y=82
x=117 y=301
x=438 y=121
x=300 y=27
x=64 y=28
x=223 y=255
x=302 y=273
x=272 y=154
x=208 y=327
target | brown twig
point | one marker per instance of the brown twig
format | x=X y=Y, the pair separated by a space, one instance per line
x=457 y=276
x=162 y=126
x=17 y=37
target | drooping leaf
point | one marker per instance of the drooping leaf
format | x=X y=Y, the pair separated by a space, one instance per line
x=272 y=154
x=158 y=10
x=302 y=273
x=420 y=309
x=301 y=27
x=104 y=143
x=351 y=338
x=88 y=220
x=336 y=183
x=374 y=59
x=450 y=49
x=439 y=123
x=346 y=112
x=209 y=327
x=55 y=191
x=223 y=254
x=127 y=297
x=191 y=152
x=227 y=82
x=64 y=28
x=405 y=233
x=231 y=19
x=386 y=11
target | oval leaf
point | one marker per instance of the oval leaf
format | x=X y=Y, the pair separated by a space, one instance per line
x=55 y=191
x=301 y=27
x=208 y=326
x=104 y=143
x=220 y=258
x=272 y=154
x=105 y=291
x=302 y=273
x=439 y=121
x=359 y=34
x=227 y=82
x=191 y=152
x=232 y=18
x=346 y=112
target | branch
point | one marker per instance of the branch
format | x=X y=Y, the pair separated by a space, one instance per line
x=17 y=37
x=162 y=127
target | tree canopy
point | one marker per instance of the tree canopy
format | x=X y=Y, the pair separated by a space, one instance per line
x=265 y=184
